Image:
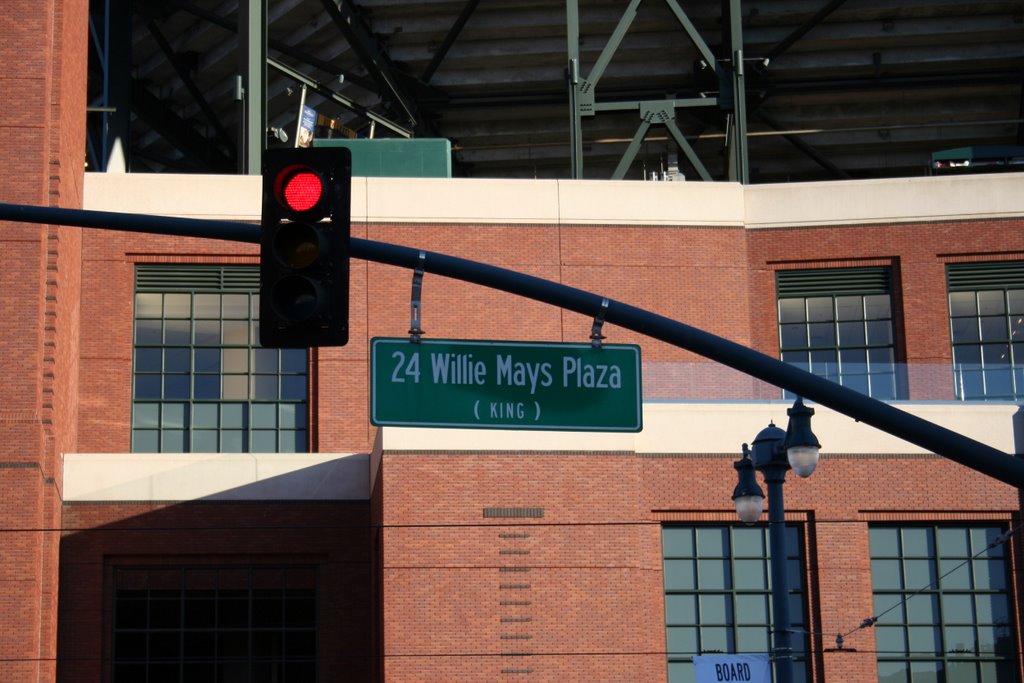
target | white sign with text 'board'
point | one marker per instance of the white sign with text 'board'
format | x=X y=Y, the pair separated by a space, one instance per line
x=733 y=668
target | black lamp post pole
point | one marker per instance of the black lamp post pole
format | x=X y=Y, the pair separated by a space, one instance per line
x=769 y=456
x=782 y=651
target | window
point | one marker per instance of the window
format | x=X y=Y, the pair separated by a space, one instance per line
x=941 y=595
x=838 y=323
x=201 y=381
x=986 y=319
x=207 y=624
x=717 y=595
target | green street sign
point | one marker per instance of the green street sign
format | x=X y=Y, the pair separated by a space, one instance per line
x=505 y=385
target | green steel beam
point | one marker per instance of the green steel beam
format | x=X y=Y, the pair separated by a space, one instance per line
x=688 y=150
x=572 y=13
x=252 y=55
x=583 y=99
x=691 y=31
x=739 y=157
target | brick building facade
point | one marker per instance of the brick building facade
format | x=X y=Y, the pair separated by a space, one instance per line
x=167 y=520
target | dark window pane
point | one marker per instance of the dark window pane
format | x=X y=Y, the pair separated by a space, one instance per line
x=823 y=362
x=967 y=355
x=991 y=303
x=293 y=388
x=293 y=360
x=147 y=360
x=877 y=307
x=1015 y=301
x=819 y=309
x=265 y=360
x=821 y=334
x=964 y=330
x=207 y=360
x=793 y=336
x=176 y=386
x=148 y=331
x=206 y=387
x=995 y=354
x=879 y=332
x=147 y=386
x=797 y=358
x=177 y=360
x=993 y=329
x=851 y=334
x=880 y=359
x=849 y=308
x=265 y=387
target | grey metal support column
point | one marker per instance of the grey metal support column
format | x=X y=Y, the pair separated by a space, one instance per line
x=572 y=12
x=252 y=67
x=739 y=158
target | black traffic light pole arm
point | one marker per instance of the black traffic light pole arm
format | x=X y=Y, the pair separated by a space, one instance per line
x=932 y=437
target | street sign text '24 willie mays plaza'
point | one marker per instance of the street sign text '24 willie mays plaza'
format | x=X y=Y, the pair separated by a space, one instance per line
x=505 y=385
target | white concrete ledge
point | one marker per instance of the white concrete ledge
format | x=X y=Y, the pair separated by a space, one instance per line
x=140 y=477
x=713 y=427
x=594 y=202
x=893 y=200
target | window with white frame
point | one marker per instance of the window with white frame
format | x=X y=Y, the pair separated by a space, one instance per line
x=986 y=319
x=838 y=324
x=201 y=382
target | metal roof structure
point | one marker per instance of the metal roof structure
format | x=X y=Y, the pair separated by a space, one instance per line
x=832 y=88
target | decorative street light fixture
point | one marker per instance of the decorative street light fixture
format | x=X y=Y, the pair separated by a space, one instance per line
x=773 y=452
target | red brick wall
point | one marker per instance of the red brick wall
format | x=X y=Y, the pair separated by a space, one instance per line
x=335 y=537
x=587 y=575
x=43 y=87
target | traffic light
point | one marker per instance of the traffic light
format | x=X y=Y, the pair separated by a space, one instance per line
x=304 y=247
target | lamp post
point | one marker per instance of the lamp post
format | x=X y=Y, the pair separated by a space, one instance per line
x=773 y=452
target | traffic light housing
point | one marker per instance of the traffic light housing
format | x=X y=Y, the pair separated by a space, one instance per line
x=304 y=245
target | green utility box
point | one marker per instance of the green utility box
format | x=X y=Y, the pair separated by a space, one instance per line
x=396 y=157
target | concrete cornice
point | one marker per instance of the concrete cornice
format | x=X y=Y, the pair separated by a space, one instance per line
x=588 y=202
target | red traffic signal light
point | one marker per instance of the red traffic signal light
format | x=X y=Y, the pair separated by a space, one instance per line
x=299 y=189
x=304 y=247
